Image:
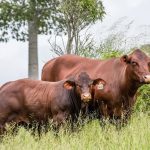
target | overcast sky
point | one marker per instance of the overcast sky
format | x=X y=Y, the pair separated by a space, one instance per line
x=14 y=55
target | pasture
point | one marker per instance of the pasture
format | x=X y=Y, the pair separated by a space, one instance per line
x=136 y=135
x=115 y=86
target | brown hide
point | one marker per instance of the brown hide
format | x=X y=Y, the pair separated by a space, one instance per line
x=28 y=100
x=123 y=75
x=32 y=100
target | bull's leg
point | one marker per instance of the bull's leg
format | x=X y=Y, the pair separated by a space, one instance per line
x=4 y=115
x=3 y=119
x=117 y=116
x=39 y=128
x=59 y=120
x=14 y=118
x=103 y=113
x=2 y=129
x=126 y=116
x=42 y=126
x=103 y=110
x=9 y=108
x=84 y=109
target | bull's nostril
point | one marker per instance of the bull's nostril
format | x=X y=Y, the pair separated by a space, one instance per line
x=86 y=95
x=146 y=78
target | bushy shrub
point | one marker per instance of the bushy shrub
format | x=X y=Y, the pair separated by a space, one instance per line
x=143 y=99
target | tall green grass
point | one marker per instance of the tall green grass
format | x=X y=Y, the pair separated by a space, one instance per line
x=134 y=136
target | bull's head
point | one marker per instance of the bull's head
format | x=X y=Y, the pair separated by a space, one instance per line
x=138 y=66
x=84 y=85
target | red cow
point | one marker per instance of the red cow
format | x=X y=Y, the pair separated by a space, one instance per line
x=32 y=100
x=123 y=75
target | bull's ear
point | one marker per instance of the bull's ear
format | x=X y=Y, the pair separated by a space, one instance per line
x=100 y=83
x=69 y=84
x=91 y=82
x=124 y=58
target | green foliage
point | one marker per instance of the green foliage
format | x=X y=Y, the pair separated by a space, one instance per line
x=113 y=42
x=87 y=47
x=146 y=48
x=111 y=54
x=143 y=99
x=15 y=14
x=77 y=14
x=105 y=50
x=135 y=135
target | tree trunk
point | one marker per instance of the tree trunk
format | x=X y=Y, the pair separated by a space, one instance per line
x=77 y=42
x=33 y=50
x=69 y=45
x=70 y=39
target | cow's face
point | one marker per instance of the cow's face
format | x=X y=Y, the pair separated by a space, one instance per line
x=83 y=85
x=138 y=66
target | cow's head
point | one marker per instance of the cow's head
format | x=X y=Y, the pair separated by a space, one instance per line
x=84 y=85
x=138 y=66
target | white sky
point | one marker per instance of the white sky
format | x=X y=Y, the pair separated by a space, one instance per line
x=14 y=55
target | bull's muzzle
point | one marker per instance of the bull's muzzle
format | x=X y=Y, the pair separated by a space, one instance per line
x=147 y=78
x=86 y=97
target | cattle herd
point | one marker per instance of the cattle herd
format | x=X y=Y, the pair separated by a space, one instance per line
x=73 y=85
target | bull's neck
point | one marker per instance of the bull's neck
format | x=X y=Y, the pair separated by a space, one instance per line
x=75 y=100
x=129 y=85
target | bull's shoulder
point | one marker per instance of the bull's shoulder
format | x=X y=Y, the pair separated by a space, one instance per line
x=4 y=85
x=17 y=84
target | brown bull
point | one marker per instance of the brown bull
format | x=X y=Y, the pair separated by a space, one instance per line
x=123 y=75
x=31 y=100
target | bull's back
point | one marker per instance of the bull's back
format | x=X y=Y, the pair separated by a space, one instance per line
x=69 y=65
x=59 y=68
x=64 y=66
x=16 y=90
x=9 y=95
x=25 y=96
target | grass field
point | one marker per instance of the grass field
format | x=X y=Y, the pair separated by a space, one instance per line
x=134 y=136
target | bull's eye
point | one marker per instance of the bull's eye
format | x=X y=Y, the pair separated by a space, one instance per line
x=134 y=63
x=79 y=85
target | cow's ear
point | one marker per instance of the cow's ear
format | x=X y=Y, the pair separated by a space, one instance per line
x=124 y=58
x=91 y=82
x=69 y=84
x=100 y=83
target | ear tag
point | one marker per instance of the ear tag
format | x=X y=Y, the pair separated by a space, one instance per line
x=100 y=86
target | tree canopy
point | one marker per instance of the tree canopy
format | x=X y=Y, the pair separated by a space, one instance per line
x=74 y=16
x=15 y=14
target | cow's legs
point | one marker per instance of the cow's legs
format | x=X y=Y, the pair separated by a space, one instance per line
x=3 y=119
x=59 y=120
x=10 y=117
x=2 y=128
